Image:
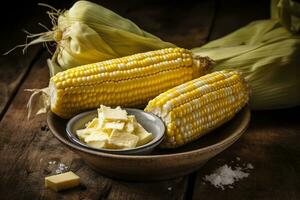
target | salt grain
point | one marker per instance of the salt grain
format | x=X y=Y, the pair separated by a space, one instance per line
x=59 y=168
x=52 y=162
x=250 y=166
x=226 y=176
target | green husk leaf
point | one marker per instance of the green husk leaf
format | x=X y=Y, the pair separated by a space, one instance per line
x=268 y=56
x=287 y=12
x=266 y=52
x=89 y=33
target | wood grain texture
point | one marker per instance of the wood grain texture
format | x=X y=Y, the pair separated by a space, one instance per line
x=13 y=69
x=15 y=66
x=271 y=145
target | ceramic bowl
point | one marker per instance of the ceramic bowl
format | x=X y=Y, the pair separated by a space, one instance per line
x=150 y=122
x=161 y=164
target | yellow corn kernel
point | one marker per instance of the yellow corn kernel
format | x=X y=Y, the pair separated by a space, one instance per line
x=128 y=82
x=194 y=108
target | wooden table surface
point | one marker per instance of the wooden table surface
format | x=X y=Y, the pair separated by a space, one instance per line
x=271 y=144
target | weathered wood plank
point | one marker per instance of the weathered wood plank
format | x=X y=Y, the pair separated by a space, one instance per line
x=15 y=66
x=13 y=69
x=271 y=145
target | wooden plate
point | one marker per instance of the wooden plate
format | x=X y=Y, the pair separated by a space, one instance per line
x=161 y=164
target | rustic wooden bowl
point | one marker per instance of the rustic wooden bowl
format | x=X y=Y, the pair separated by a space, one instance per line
x=161 y=164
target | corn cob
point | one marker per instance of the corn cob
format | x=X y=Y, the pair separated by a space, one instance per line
x=128 y=81
x=194 y=108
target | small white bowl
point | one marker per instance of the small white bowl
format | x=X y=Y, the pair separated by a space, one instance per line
x=150 y=122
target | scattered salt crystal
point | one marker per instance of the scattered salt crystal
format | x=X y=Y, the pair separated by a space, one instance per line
x=225 y=175
x=52 y=162
x=169 y=188
x=250 y=166
x=61 y=167
x=238 y=158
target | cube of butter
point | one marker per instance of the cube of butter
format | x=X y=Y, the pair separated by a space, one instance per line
x=62 y=181
x=114 y=125
x=144 y=136
x=130 y=124
x=97 y=140
x=93 y=124
x=122 y=139
x=97 y=144
x=83 y=133
x=110 y=114
x=100 y=136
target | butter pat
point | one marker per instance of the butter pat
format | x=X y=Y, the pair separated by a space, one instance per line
x=110 y=114
x=114 y=125
x=144 y=136
x=93 y=124
x=62 y=181
x=123 y=139
x=97 y=140
x=83 y=133
x=131 y=124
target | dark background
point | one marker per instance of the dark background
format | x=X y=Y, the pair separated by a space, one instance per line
x=169 y=24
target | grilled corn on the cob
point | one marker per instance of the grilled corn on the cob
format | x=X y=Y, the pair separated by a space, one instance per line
x=194 y=108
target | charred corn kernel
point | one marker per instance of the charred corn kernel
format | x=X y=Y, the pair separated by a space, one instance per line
x=194 y=108
x=128 y=81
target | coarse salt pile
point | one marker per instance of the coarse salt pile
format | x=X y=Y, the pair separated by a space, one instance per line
x=61 y=168
x=226 y=176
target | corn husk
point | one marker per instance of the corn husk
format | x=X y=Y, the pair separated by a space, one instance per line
x=264 y=51
x=268 y=56
x=89 y=33
x=287 y=12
